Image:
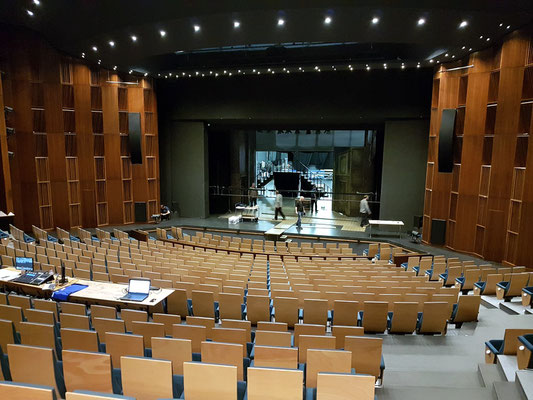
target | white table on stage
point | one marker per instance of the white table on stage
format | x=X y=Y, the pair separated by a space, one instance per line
x=379 y=222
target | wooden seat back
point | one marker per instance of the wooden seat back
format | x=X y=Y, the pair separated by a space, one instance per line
x=340 y=332
x=467 y=308
x=314 y=342
x=224 y=353
x=78 y=339
x=178 y=351
x=276 y=357
x=258 y=308
x=239 y=324
x=510 y=340
x=518 y=282
x=203 y=304
x=122 y=344
x=87 y=371
x=16 y=300
x=375 y=316
x=404 y=317
x=103 y=312
x=367 y=354
x=195 y=333
x=204 y=381
x=286 y=310
x=492 y=280
x=128 y=316
x=339 y=361
x=104 y=325
x=72 y=308
x=74 y=321
x=34 y=334
x=230 y=335
x=273 y=338
x=34 y=365
x=7 y=334
x=344 y=386
x=230 y=305
x=148 y=330
x=315 y=311
x=435 y=317
x=46 y=305
x=272 y=326
x=146 y=378
x=288 y=384
x=40 y=317
x=17 y=391
x=345 y=312
x=167 y=320
x=13 y=314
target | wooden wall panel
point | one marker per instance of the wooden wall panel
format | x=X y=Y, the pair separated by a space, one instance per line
x=6 y=200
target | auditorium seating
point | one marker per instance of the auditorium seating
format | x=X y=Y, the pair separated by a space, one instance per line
x=508 y=345
x=524 y=353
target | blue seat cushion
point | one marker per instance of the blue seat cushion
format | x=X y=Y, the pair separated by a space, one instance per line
x=116 y=380
x=495 y=345
x=481 y=286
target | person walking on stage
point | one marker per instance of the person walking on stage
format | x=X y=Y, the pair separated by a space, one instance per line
x=278 y=203
x=300 y=211
x=364 y=211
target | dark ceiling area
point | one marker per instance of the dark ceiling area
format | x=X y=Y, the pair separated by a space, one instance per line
x=201 y=37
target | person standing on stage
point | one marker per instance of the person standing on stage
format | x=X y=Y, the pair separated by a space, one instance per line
x=278 y=203
x=252 y=193
x=314 y=199
x=300 y=211
x=364 y=211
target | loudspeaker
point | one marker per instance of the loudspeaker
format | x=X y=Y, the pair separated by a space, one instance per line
x=447 y=127
x=438 y=231
x=134 y=137
x=140 y=212
x=417 y=221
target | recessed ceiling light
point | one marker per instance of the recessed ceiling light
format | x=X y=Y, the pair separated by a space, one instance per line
x=130 y=71
x=327 y=20
x=95 y=48
x=99 y=62
x=196 y=28
x=281 y=22
x=316 y=66
x=225 y=71
x=488 y=39
x=481 y=37
x=288 y=72
x=470 y=49
x=197 y=73
x=258 y=72
x=230 y=74
x=464 y=47
x=375 y=20
x=453 y=56
x=115 y=68
x=133 y=38
x=300 y=68
x=421 y=21
x=210 y=72
x=418 y=66
x=284 y=69
x=111 y=43
x=438 y=62
x=508 y=27
x=268 y=70
x=37 y=2
x=431 y=61
x=403 y=66
x=82 y=55
x=236 y=24
x=216 y=74
x=367 y=68
x=30 y=13
x=501 y=24
x=446 y=55
x=146 y=74
x=253 y=70
x=463 y=24
x=202 y=75
x=239 y=71
x=162 y=33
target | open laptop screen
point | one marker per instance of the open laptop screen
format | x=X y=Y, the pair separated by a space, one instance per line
x=139 y=286
x=24 y=263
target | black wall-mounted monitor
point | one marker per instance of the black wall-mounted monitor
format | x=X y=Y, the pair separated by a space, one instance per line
x=447 y=127
x=134 y=135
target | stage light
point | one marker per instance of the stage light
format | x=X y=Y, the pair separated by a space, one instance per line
x=30 y=13
x=196 y=28
x=95 y=48
x=463 y=24
x=375 y=20
x=162 y=33
x=421 y=21
x=111 y=43
x=327 y=20
x=281 y=22
x=236 y=24
x=133 y=38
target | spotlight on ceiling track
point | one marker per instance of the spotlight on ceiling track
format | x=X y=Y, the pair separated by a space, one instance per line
x=37 y=2
x=327 y=20
x=236 y=24
x=463 y=24
x=30 y=13
x=375 y=20
x=115 y=68
x=95 y=48
x=111 y=43
x=133 y=38
x=162 y=33
x=146 y=74
x=197 y=28
x=421 y=21
x=281 y=22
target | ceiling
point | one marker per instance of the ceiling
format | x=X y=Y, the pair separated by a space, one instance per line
x=304 y=42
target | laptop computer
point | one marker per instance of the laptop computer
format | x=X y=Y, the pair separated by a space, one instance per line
x=24 y=263
x=138 y=290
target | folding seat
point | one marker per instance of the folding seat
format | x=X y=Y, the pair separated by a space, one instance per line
x=288 y=384
x=272 y=326
x=167 y=320
x=466 y=282
x=12 y=313
x=452 y=273
x=338 y=361
x=374 y=316
x=35 y=365
x=46 y=305
x=177 y=302
x=435 y=271
x=78 y=339
x=524 y=353
x=345 y=312
x=231 y=306
x=23 y=302
x=196 y=334
x=8 y=334
x=231 y=335
x=340 y=332
x=275 y=357
x=307 y=329
x=178 y=351
x=148 y=330
x=527 y=295
x=286 y=310
x=488 y=287
x=257 y=308
x=43 y=335
x=104 y=325
x=227 y=354
x=507 y=346
x=12 y=390
x=509 y=289
x=150 y=379
x=315 y=311
x=72 y=308
x=466 y=310
x=40 y=316
x=128 y=316
x=273 y=338
x=95 y=375
x=240 y=324
x=203 y=304
x=343 y=386
x=121 y=344
x=367 y=355
x=404 y=318
x=75 y=321
x=103 y=312
x=204 y=381
x=314 y=342
x=434 y=318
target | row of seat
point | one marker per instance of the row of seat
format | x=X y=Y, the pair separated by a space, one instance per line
x=515 y=342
